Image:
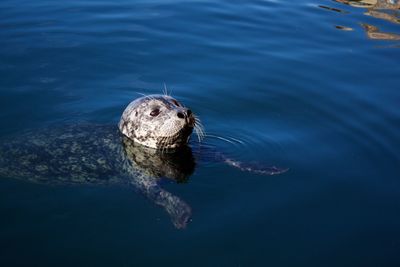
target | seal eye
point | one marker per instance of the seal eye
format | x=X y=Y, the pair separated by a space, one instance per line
x=155 y=112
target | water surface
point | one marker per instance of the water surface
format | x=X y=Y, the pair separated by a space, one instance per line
x=308 y=85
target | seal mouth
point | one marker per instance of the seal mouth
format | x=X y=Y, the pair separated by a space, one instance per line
x=179 y=139
x=197 y=126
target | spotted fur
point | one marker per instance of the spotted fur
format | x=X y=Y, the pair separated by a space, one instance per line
x=170 y=128
x=97 y=155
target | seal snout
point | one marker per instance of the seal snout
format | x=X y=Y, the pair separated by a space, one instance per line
x=187 y=115
x=184 y=114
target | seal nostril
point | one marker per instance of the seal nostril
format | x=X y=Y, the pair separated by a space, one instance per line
x=180 y=115
x=189 y=112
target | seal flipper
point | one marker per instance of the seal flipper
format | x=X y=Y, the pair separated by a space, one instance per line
x=209 y=153
x=179 y=211
x=246 y=167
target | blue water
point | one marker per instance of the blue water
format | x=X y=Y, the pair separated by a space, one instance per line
x=301 y=84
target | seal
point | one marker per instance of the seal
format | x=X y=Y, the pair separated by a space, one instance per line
x=98 y=155
x=158 y=121
x=149 y=144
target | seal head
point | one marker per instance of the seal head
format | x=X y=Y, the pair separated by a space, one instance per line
x=157 y=121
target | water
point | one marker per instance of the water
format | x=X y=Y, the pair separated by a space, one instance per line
x=308 y=85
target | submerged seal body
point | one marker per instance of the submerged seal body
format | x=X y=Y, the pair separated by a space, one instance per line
x=150 y=143
x=100 y=154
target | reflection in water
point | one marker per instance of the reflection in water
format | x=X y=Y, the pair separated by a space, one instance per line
x=332 y=9
x=343 y=28
x=374 y=4
x=177 y=165
x=382 y=9
x=374 y=33
x=149 y=165
x=386 y=15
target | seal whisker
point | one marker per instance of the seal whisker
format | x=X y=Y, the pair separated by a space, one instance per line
x=199 y=128
x=199 y=134
x=165 y=91
x=166 y=142
x=163 y=145
x=146 y=96
x=142 y=94
x=200 y=131
x=221 y=138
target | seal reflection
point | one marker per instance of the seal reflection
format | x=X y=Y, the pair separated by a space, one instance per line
x=151 y=165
